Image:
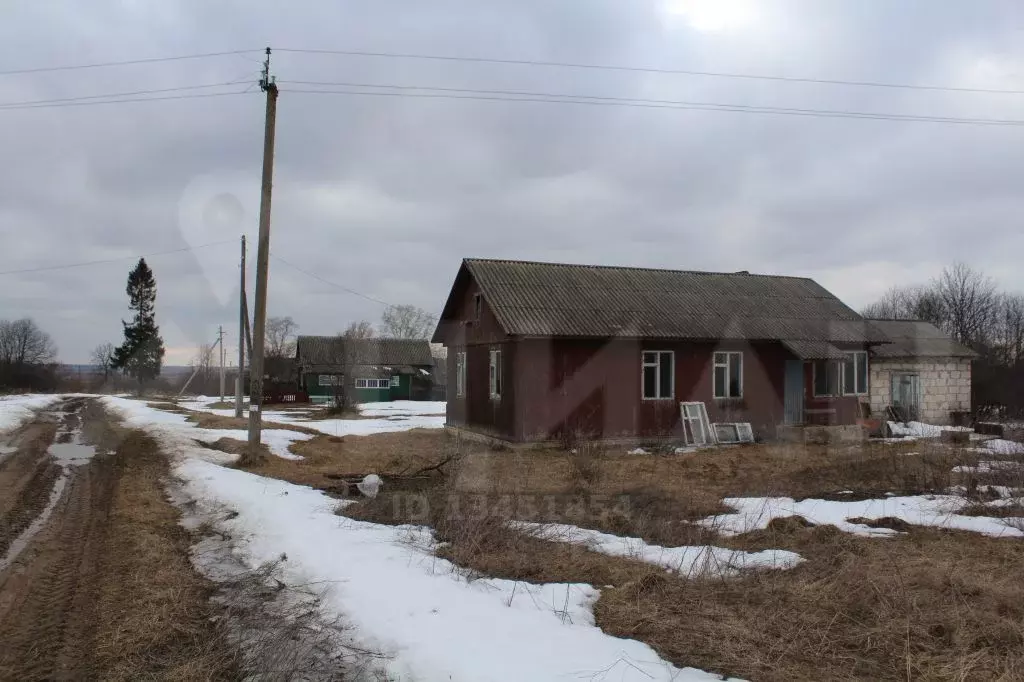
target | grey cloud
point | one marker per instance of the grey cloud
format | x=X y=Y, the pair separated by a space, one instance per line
x=386 y=194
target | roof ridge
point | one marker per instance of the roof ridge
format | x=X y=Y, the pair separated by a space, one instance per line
x=743 y=273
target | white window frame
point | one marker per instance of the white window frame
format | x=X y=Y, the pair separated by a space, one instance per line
x=721 y=359
x=460 y=374
x=494 y=375
x=867 y=373
x=373 y=383
x=840 y=369
x=362 y=383
x=395 y=381
x=656 y=363
x=327 y=380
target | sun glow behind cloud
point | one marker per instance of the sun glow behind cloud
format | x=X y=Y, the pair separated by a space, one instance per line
x=712 y=16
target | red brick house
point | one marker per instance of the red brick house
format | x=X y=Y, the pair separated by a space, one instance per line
x=535 y=349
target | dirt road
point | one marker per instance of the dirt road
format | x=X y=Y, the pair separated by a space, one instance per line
x=95 y=581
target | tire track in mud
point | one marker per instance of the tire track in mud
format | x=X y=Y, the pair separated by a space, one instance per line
x=47 y=591
x=26 y=478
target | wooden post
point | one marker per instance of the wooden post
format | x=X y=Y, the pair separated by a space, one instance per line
x=262 y=266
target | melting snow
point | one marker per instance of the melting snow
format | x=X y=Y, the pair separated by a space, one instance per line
x=687 y=560
x=18 y=409
x=418 y=611
x=137 y=414
x=753 y=513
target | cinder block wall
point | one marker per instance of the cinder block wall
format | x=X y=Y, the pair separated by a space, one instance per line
x=945 y=385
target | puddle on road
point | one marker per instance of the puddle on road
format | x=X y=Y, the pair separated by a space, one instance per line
x=68 y=451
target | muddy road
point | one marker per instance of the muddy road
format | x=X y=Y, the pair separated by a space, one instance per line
x=95 y=581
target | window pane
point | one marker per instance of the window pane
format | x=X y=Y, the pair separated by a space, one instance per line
x=497 y=373
x=735 y=374
x=849 y=376
x=720 y=381
x=862 y=372
x=720 y=358
x=650 y=358
x=833 y=377
x=650 y=382
x=665 y=369
x=820 y=377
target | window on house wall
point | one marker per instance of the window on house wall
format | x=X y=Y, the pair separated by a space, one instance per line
x=728 y=375
x=460 y=374
x=396 y=381
x=658 y=374
x=842 y=377
x=855 y=374
x=361 y=383
x=373 y=383
x=477 y=306
x=826 y=378
x=327 y=380
x=495 y=374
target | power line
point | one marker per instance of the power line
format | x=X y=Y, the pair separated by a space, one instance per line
x=115 y=260
x=333 y=284
x=644 y=69
x=32 y=103
x=596 y=100
x=59 y=105
x=127 y=62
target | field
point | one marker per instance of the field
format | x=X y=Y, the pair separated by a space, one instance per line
x=926 y=603
x=882 y=560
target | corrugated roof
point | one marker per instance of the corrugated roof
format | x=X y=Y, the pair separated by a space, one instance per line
x=551 y=299
x=327 y=351
x=918 y=339
x=814 y=350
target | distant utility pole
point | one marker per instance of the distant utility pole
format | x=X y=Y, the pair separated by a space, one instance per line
x=220 y=340
x=262 y=265
x=242 y=320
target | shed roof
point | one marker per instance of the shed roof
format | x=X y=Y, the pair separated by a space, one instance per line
x=918 y=339
x=552 y=299
x=335 y=351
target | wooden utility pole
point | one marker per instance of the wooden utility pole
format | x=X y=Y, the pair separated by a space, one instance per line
x=242 y=320
x=220 y=340
x=262 y=265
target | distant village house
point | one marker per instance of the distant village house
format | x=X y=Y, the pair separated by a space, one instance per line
x=372 y=370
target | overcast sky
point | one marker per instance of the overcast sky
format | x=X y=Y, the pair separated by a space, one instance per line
x=385 y=195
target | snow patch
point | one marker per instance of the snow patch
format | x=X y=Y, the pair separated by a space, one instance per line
x=687 y=560
x=753 y=513
x=418 y=610
x=15 y=410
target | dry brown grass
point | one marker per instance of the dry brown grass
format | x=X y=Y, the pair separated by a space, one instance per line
x=927 y=605
x=205 y=420
x=155 y=617
x=326 y=459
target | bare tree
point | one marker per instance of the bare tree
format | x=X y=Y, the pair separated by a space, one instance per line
x=1009 y=329
x=280 y=337
x=202 y=362
x=969 y=304
x=359 y=330
x=343 y=356
x=23 y=343
x=908 y=303
x=407 y=322
x=103 y=357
